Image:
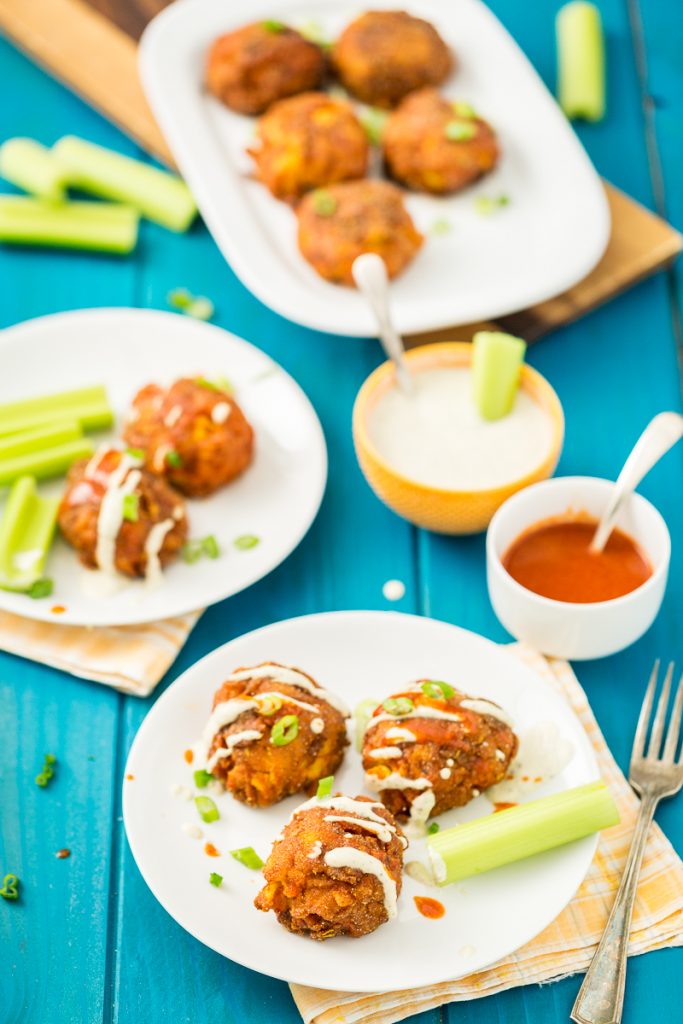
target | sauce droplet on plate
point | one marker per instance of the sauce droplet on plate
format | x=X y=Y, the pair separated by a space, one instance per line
x=58 y=609
x=503 y=805
x=210 y=850
x=189 y=756
x=429 y=907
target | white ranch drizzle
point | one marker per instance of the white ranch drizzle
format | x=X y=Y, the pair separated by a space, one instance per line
x=220 y=412
x=153 y=546
x=400 y=735
x=385 y=753
x=420 y=809
x=173 y=415
x=317 y=726
x=363 y=808
x=358 y=860
x=396 y=781
x=315 y=851
x=419 y=711
x=246 y=736
x=121 y=482
x=224 y=714
x=289 y=676
x=486 y=707
x=384 y=832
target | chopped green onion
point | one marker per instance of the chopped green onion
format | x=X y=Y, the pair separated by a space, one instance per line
x=285 y=730
x=325 y=787
x=89 y=407
x=580 y=61
x=41 y=588
x=362 y=714
x=246 y=541
x=102 y=227
x=135 y=453
x=486 y=205
x=215 y=879
x=441 y=226
x=202 y=778
x=193 y=550
x=268 y=705
x=10 y=887
x=197 y=306
x=174 y=459
x=314 y=32
x=131 y=507
x=32 y=167
x=433 y=828
x=49 y=462
x=217 y=384
x=438 y=690
x=374 y=122
x=50 y=759
x=272 y=25
x=179 y=298
x=398 y=705
x=248 y=856
x=466 y=110
x=47 y=772
x=211 y=549
x=496 y=368
x=207 y=809
x=27 y=529
x=460 y=131
x=522 y=831
x=156 y=194
x=324 y=203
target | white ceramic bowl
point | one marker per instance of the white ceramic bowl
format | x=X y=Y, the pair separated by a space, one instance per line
x=559 y=628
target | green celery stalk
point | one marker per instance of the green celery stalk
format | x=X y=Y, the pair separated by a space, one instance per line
x=27 y=527
x=32 y=167
x=49 y=462
x=158 y=195
x=89 y=407
x=520 y=832
x=103 y=227
x=496 y=366
x=580 y=61
x=41 y=437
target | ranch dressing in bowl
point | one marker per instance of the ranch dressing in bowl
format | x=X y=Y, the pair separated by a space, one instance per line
x=437 y=438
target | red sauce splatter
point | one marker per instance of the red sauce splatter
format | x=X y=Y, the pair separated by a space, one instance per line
x=502 y=806
x=57 y=609
x=189 y=756
x=429 y=907
x=210 y=850
x=130 y=776
x=63 y=854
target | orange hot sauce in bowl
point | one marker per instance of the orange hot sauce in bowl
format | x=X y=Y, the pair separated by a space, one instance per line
x=553 y=558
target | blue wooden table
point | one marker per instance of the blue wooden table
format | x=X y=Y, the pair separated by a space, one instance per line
x=88 y=942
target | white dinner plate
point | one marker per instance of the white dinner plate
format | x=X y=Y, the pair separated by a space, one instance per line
x=357 y=655
x=276 y=498
x=551 y=234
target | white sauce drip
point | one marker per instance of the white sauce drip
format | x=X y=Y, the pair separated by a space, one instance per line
x=543 y=753
x=420 y=809
x=385 y=752
x=153 y=546
x=358 y=860
x=394 y=590
x=289 y=676
x=192 y=830
x=487 y=707
x=384 y=832
x=445 y=773
x=396 y=781
x=316 y=850
x=220 y=412
x=399 y=734
x=437 y=437
x=317 y=725
x=173 y=415
x=121 y=482
x=419 y=711
x=420 y=872
x=224 y=714
x=246 y=736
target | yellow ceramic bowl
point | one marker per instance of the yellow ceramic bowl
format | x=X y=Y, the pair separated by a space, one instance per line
x=433 y=508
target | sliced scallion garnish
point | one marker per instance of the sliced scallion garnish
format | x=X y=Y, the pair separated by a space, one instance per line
x=248 y=856
x=486 y=205
x=207 y=809
x=47 y=772
x=174 y=459
x=324 y=203
x=374 y=122
x=215 y=879
x=246 y=541
x=462 y=109
x=131 y=507
x=398 y=705
x=268 y=705
x=273 y=25
x=285 y=730
x=438 y=690
x=460 y=131
x=325 y=787
x=193 y=550
x=135 y=453
x=41 y=588
x=202 y=778
x=10 y=887
x=217 y=384
x=433 y=828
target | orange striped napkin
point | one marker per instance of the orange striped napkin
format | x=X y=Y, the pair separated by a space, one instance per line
x=130 y=658
x=567 y=945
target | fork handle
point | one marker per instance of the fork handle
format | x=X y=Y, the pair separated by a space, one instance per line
x=601 y=996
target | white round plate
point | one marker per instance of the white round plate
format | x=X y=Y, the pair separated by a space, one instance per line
x=276 y=499
x=357 y=655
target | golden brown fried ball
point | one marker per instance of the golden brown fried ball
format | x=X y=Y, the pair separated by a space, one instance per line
x=254 y=66
x=435 y=145
x=383 y=55
x=339 y=223
x=308 y=141
x=155 y=503
x=263 y=767
x=458 y=758
x=311 y=896
x=193 y=434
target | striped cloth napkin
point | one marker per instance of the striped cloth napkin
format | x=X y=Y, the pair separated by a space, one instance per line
x=130 y=658
x=567 y=945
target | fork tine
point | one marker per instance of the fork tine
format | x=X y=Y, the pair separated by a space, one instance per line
x=660 y=715
x=644 y=717
x=674 y=725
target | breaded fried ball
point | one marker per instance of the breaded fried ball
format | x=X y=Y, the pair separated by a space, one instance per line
x=193 y=433
x=433 y=744
x=273 y=732
x=308 y=141
x=336 y=869
x=253 y=66
x=383 y=55
x=435 y=145
x=145 y=523
x=339 y=223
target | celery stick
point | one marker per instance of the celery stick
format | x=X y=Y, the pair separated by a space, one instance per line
x=89 y=407
x=521 y=832
x=26 y=530
x=50 y=462
x=496 y=367
x=580 y=61
x=158 y=195
x=32 y=167
x=103 y=227
x=36 y=440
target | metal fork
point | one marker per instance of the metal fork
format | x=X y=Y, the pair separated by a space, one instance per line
x=654 y=775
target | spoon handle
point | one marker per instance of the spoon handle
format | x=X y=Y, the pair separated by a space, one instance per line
x=370 y=275
x=659 y=435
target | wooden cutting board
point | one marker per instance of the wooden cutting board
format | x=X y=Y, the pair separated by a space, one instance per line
x=92 y=48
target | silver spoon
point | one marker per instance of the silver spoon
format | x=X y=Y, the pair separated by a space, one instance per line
x=659 y=435
x=370 y=275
